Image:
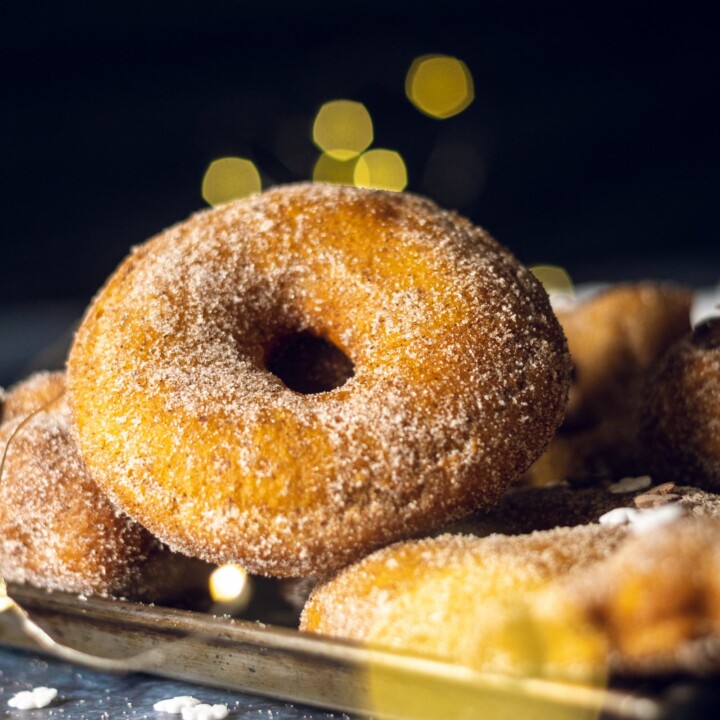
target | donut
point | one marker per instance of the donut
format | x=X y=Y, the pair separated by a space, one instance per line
x=658 y=616
x=607 y=592
x=615 y=337
x=42 y=390
x=57 y=531
x=452 y=373
x=469 y=600
x=680 y=415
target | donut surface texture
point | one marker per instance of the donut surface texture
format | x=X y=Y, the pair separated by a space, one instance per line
x=614 y=338
x=645 y=596
x=57 y=530
x=459 y=377
x=680 y=415
x=475 y=601
x=658 y=597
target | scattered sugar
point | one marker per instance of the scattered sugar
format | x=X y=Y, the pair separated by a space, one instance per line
x=176 y=705
x=651 y=519
x=631 y=484
x=38 y=697
x=642 y=520
x=205 y=712
x=618 y=516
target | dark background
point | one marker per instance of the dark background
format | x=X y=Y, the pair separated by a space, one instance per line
x=590 y=143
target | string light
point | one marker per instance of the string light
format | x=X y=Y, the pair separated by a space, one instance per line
x=228 y=583
x=230 y=178
x=439 y=85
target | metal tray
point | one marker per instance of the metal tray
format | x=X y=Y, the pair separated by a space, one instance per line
x=293 y=666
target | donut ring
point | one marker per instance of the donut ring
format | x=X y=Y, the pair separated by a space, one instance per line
x=460 y=377
x=57 y=531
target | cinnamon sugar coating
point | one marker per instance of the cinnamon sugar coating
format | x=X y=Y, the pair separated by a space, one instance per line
x=57 y=531
x=476 y=601
x=641 y=598
x=460 y=377
x=681 y=410
x=658 y=597
x=614 y=338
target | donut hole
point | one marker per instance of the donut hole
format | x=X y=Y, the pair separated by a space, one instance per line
x=308 y=363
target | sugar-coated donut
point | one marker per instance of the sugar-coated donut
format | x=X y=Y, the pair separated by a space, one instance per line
x=680 y=416
x=658 y=597
x=57 y=531
x=467 y=599
x=614 y=337
x=640 y=596
x=456 y=375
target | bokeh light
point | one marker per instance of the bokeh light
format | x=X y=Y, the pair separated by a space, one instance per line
x=331 y=170
x=230 y=178
x=343 y=129
x=514 y=629
x=228 y=583
x=382 y=170
x=439 y=85
x=557 y=283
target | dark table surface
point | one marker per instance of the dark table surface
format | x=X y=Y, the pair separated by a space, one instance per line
x=88 y=695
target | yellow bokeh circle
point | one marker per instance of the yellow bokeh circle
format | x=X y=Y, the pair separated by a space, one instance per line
x=331 y=170
x=382 y=170
x=557 y=282
x=228 y=583
x=230 y=178
x=343 y=129
x=439 y=85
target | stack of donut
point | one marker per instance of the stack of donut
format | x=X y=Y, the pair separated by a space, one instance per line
x=287 y=383
x=295 y=381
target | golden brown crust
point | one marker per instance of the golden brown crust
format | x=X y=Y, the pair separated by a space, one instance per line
x=643 y=596
x=56 y=530
x=460 y=377
x=466 y=599
x=658 y=598
x=43 y=390
x=680 y=417
x=614 y=338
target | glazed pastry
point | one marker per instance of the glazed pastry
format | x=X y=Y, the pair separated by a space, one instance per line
x=657 y=599
x=633 y=587
x=469 y=600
